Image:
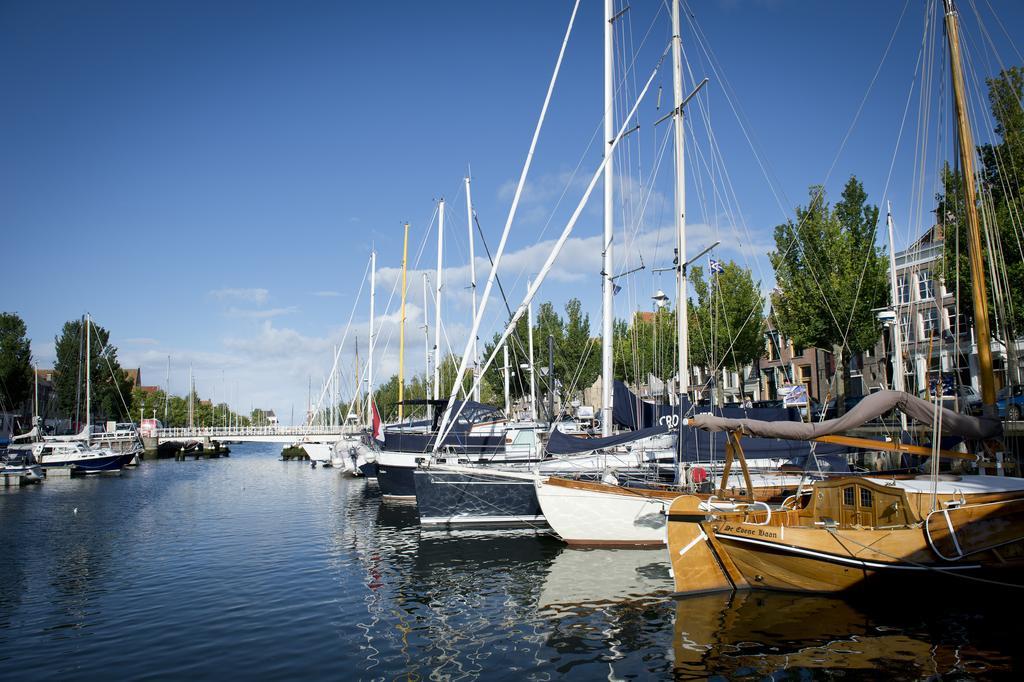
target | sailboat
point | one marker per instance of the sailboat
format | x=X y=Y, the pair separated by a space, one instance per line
x=76 y=452
x=850 y=533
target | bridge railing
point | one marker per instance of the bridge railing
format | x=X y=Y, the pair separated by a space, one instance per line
x=238 y=431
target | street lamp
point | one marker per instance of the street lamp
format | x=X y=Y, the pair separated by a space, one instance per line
x=660 y=299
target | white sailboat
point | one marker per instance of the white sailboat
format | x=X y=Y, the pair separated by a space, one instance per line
x=77 y=452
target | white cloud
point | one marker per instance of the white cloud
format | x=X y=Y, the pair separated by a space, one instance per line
x=262 y=314
x=140 y=341
x=328 y=294
x=258 y=296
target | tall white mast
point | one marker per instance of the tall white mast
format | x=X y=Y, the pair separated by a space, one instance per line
x=167 y=391
x=897 y=332
x=191 y=390
x=88 y=376
x=533 y=381
x=426 y=342
x=369 y=360
x=472 y=290
x=437 y=302
x=607 y=285
x=508 y=402
x=682 y=329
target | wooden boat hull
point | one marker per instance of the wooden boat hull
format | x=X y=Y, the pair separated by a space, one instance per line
x=726 y=553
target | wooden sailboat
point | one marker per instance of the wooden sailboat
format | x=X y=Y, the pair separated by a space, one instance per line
x=858 y=532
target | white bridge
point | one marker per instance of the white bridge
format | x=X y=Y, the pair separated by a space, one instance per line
x=254 y=434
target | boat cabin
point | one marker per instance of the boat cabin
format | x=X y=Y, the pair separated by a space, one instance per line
x=858 y=502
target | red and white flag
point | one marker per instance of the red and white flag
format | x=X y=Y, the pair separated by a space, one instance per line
x=378 y=427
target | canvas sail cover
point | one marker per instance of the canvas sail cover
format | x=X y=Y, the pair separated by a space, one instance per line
x=874 y=405
x=561 y=443
x=696 y=445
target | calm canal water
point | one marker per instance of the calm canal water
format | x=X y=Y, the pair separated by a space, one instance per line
x=253 y=568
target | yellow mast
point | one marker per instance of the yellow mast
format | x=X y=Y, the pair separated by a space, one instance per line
x=978 y=289
x=401 y=328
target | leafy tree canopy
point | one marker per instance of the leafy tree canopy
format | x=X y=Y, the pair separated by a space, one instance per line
x=15 y=362
x=830 y=274
x=111 y=389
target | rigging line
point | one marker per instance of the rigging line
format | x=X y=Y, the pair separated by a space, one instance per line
x=1004 y=173
x=394 y=288
x=633 y=234
x=597 y=131
x=835 y=160
x=567 y=231
x=337 y=354
x=501 y=289
x=520 y=185
x=1009 y=38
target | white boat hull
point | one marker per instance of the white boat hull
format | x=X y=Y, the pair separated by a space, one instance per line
x=584 y=517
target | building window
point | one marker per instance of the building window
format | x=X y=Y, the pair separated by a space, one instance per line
x=903 y=288
x=848 y=496
x=929 y=322
x=925 y=285
x=954 y=322
x=906 y=331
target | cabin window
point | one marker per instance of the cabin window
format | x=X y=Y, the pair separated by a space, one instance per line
x=524 y=438
x=848 y=496
x=865 y=497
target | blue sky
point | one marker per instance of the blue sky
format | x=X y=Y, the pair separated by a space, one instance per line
x=207 y=179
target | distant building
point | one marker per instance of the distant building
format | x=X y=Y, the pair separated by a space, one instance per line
x=936 y=340
x=784 y=365
x=271 y=418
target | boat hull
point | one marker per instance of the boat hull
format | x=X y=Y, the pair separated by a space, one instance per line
x=476 y=497
x=592 y=514
x=97 y=464
x=395 y=474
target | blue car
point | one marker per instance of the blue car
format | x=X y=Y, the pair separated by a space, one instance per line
x=1010 y=402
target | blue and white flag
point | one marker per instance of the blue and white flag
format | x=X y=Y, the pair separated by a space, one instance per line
x=714 y=265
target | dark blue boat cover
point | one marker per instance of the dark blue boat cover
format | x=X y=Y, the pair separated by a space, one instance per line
x=564 y=444
x=397 y=440
x=629 y=411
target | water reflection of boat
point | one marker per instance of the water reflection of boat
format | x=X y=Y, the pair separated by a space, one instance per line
x=483 y=550
x=761 y=633
x=597 y=577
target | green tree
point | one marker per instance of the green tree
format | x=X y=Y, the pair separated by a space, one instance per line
x=646 y=346
x=111 y=389
x=727 y=322
x=16 y=378
x=831 y=275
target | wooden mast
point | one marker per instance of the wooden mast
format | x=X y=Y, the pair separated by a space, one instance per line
x=401 y=328
x=978 y=289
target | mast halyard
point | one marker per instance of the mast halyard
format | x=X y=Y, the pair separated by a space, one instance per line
x=401 y=328
x=978 y=289
x=607 y=285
